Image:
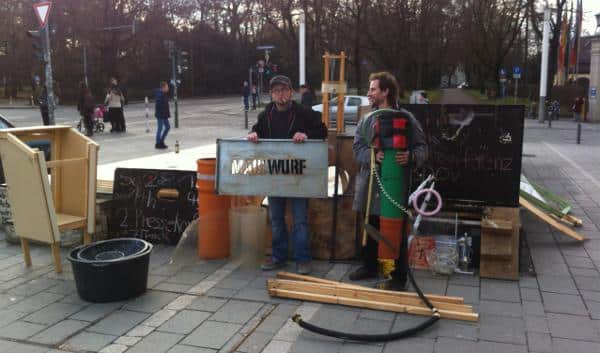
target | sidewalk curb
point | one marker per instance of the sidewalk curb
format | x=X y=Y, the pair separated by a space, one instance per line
x=17 y=107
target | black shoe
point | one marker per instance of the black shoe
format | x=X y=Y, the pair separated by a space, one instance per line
x=362 y=273
x=393 y=284
x=160 y=146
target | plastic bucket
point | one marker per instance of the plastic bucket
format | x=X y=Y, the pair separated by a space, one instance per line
x=213 y=214
x=248 y=228
x=111 y=270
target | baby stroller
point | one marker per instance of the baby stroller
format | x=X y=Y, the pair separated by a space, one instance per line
x=98 y=119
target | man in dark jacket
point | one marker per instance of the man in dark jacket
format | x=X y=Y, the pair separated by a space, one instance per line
x=246 y=95
x=307 y=97
x=85 y=106
x=162 y=114
x=285 y=119
x=383 y=93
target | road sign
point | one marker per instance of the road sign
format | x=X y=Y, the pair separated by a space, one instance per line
x=516 y=72
x=502 y=75
x=42 y=10
x=593 y=92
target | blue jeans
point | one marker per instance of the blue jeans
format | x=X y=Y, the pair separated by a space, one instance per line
x=246 y=103
x=162 y=129
x=280 y=232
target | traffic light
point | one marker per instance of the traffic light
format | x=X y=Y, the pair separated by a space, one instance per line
x=38 y=45
x=182 y=61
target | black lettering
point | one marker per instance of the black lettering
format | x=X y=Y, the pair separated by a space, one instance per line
x=285 y=169
x=274 y=166
x=302 y=166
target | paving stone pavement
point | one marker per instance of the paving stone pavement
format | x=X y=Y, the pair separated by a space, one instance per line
x=220 y=306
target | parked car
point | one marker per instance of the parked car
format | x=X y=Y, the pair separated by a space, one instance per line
x=42 y=145
x=351 y=104
x=463 y=85
x=418 y=97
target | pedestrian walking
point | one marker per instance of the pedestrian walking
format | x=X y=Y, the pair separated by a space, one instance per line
x=254 y=97
x=85 y=106
x=285 y=119
x=383 y=94
x=42 y=100
x=114 y=100
x=246 y=95
x=577 y=108
x=307 y=98
x=162 y=114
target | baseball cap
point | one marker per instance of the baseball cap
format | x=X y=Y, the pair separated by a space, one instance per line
x=280 y=80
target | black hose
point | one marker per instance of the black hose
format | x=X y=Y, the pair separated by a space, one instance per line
x=366 y=337
x=377 y=337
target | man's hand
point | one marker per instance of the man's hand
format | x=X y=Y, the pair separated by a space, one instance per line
x=379 y=156
x=402 y=158
x=253 y=137
x=299 y=137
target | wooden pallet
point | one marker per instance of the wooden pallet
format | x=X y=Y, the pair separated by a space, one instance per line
x=500 y=243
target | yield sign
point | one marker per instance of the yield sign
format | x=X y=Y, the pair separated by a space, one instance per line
x=42 y=10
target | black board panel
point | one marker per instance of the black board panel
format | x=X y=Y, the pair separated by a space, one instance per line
x=474 y=151
x=139 y=211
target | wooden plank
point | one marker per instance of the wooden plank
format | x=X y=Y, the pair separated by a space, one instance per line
x=574 y=221
x=297 y=277
x=63 y=162
x=56 y=256
x=497 y=224
x=549 y=220
x=91 y=189
x=26 y=252
x=66 y=221
x=365 y=294
x=17 y=131
x=367 y=304
x=567 y=219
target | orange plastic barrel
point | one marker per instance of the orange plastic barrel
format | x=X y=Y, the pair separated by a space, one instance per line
x=213 y=213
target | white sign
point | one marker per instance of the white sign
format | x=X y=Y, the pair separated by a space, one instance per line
x=593 y=92
x=272 y=168
x=42 y=10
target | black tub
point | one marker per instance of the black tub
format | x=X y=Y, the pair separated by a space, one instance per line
x=111 y=270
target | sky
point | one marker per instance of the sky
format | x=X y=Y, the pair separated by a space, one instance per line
x=590 y=9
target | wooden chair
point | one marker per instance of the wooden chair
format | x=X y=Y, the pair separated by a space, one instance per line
x=44 y=204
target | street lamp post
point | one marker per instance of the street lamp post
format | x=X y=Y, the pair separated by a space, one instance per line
x=544 y=72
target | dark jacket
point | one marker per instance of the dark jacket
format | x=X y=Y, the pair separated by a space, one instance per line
x=85 y=103
x=301 y=120
x=308 y=99
x=362 y=154
x=161 y=105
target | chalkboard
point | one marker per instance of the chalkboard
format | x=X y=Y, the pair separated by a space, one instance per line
x=474 y=151
x=154 y=205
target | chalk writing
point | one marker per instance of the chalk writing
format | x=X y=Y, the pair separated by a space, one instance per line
x=474 y=151
x=139 y=212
